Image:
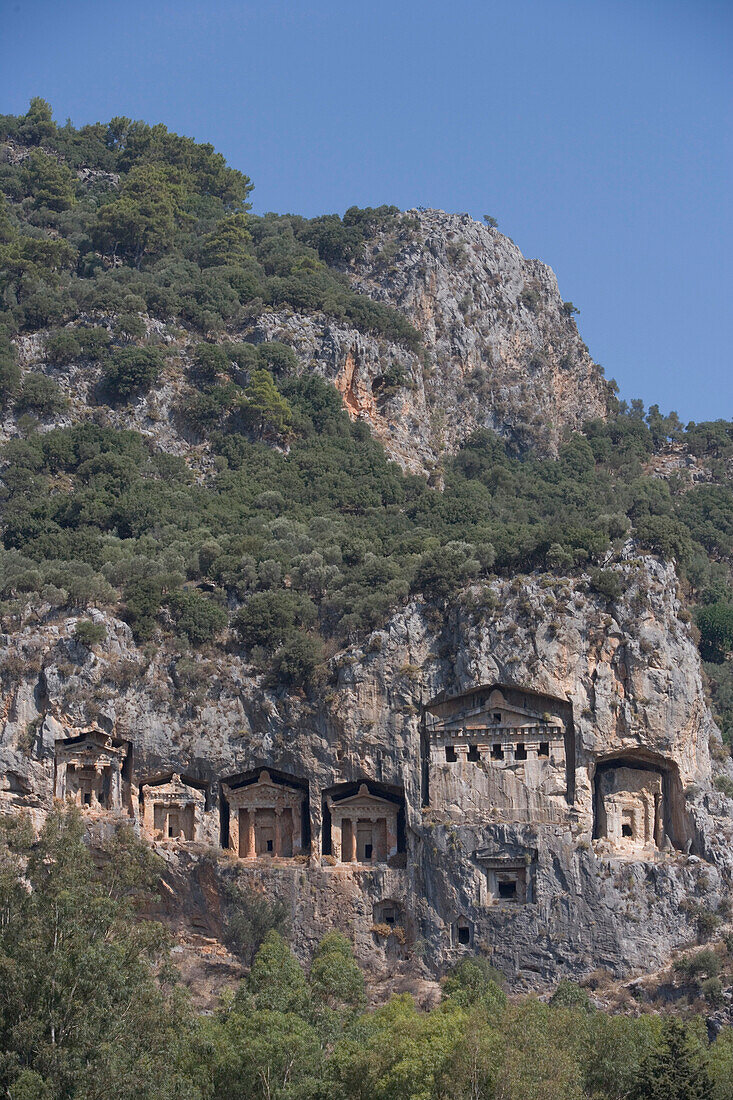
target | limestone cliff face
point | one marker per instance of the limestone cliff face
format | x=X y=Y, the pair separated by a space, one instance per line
x=500 y=349
x=627 y=681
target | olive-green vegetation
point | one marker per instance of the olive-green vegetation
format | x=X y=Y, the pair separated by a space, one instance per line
x=91 y=1007
x=302 y=532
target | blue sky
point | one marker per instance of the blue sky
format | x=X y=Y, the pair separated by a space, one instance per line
x=598 y=132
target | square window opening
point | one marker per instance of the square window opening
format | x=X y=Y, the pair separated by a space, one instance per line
x=473 y=754
x=269 y=845
x=520 y=752
x=497 y=716
x=508 y=891
x=450 y=754
x=464 y=935
x=368 y=851
x=497 y=752
x=544 y=749
x=626 y=830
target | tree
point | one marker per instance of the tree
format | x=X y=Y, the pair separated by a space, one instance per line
x=228 y=244
x=490 y=222
x=40 y=394
x=444 y=570
x=474 y=982
x=199 y=618
x=715 y=621
x=88 y=633
x=37 y=125
x=264 y=408
x=336 y=981
x=9 y=372
x=276 y=981
x=81 y=1012
x=675 y=1070
x=48 y=182
x=144 y=219
x=296 y=659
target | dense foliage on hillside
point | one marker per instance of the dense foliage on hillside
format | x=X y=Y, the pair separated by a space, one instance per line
x=123 y=244
x=90 y=1009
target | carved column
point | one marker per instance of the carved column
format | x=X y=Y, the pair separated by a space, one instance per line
x=348 y=841
x=148 y=814
x=115 y=787
x=234 y=821
x=278 y=843
x=380 y=840
x=392 y=835
x=297 y=827
x=251 y=838
x=61 y=779
x=336 y=827
x=97 y=787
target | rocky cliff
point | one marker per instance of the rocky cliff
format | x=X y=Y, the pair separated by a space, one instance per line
x=627 y=680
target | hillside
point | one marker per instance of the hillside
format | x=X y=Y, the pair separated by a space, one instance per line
x=334 y=567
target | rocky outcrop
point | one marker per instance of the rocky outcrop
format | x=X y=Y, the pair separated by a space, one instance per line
x=500 y=348
x=627 y=681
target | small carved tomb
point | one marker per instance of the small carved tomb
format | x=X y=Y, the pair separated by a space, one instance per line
x=510 y=879
x=461 y=932
x=89 y=770
x=172 y=809
x=363 y=828
x=629 y=808
x=265 y=818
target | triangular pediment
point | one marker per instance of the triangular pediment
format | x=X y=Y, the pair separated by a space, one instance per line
x=173 y=788
x=497 y=715
x=364 y=799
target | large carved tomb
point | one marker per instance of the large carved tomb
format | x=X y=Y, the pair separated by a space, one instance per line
x=500 y=751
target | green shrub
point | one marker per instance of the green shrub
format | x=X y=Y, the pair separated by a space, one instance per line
x=724 y=784
x=715 y=622
x=606 y=583
x=571 y=995
x=63 y=347
x=89 y=633
x=199 y=618
x=9 y=372
x=41 y=395
x=131 y=370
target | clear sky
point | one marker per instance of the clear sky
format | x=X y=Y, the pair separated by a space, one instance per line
x=598 y=132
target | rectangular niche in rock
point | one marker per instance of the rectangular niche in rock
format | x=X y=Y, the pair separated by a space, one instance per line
x=509 y=879
x=89 y=771
x=461 y=932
